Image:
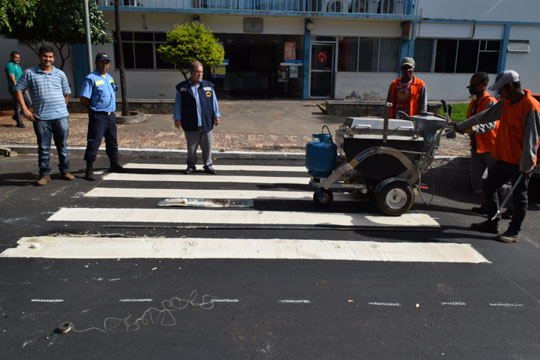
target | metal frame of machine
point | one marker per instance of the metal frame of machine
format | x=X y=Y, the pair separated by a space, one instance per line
x=394 y=195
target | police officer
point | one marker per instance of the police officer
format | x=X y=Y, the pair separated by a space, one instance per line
x=98 y=94
x=196 y=111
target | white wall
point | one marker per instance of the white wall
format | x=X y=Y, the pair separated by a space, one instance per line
x=28 y=59
x=374 y=86
x=527 y=65
x=481 y=10
x=459 y=31
x=352 y=27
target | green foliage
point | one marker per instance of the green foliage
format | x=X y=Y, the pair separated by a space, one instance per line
x=459 y=111
x=60 y=22
x=188 y=43
x=16 y=11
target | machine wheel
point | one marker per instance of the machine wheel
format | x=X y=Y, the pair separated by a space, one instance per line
x=323 y=197
x=395 y=198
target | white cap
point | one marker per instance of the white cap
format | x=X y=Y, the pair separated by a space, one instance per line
x=506 y=77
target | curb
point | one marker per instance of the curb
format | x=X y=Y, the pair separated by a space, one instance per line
x=230 y=155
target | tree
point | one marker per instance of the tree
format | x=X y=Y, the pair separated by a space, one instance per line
x=118 y=47
x=190 y=42
x=19 y=11
x=60 y=22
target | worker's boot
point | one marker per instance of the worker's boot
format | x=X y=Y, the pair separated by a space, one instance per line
x=115 y=166
x=89 y=175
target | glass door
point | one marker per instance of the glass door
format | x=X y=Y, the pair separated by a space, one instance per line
x=322 y=70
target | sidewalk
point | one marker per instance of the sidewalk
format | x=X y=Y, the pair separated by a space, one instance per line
x=247 y=125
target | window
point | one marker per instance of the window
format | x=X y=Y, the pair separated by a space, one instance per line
x=140 y=50
x=456 y=56
x=368 y=54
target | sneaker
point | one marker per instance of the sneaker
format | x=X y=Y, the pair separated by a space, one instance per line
x=190 y=170
x=67 y=176
x=209 y=170
x=486 y=226
x=479 y=210
x=43 y=180
x=508 y=236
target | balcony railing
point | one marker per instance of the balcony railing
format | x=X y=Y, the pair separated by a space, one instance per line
x=362 y=8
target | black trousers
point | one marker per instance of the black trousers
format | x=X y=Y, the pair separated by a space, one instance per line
x=101 y=125
x=498 y=175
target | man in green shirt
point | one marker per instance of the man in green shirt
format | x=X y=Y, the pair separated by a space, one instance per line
x=13 y=72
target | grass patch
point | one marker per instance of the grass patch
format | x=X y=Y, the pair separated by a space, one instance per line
x=459 y=112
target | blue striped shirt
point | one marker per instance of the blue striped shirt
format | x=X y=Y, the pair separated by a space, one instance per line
x=47 y=91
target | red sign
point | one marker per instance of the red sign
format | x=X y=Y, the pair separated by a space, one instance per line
x=322 y=56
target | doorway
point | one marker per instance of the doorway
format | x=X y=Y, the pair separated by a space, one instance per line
x=321 y=83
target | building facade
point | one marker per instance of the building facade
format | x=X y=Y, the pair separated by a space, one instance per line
x=325 y=48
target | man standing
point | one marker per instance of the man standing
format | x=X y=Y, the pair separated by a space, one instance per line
x=515 y=151
x=49 y=91
x=196 y=111
x=482 y=136
x=13 y=72
x=407 y=93
x=98 y=95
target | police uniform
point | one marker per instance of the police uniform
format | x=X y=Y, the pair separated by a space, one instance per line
x=196 y=107
x=100 y=90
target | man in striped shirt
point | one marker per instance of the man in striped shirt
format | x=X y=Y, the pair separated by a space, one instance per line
x=49 y=91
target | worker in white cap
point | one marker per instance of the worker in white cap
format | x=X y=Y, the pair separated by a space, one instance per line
x=515 y=151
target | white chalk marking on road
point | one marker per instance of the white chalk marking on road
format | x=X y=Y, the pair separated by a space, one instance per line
x=182 y=167
x=135 y=300
x=294 y=301
x=208 y=178
x=208 y=194
x=453 y=303
x=505 y=305
x=87 y=247
x=47 y=300
x=384 y=304
x=226 y=300
x=244 y=217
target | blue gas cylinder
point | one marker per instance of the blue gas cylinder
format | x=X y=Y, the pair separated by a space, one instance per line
x=321 y=155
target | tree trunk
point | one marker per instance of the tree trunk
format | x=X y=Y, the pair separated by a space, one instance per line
x=118 y=44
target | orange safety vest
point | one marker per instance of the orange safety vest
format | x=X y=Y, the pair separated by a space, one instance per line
x=509 y=141
x=416 y=87
x=485 y=141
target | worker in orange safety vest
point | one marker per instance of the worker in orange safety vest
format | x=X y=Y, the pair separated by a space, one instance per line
x=407 y=93
x=515 y=150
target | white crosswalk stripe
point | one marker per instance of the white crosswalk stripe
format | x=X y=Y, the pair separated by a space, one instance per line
x=208 y=194
x=88 y=247
x=246 y=217
x=260 y=168
x=203 y=178
x=227 y=248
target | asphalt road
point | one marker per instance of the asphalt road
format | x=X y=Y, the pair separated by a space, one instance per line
x=174 y=307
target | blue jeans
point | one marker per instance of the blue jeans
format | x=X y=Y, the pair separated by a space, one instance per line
x=46 y=130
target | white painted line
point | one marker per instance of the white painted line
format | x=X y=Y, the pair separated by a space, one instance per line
x=218 y=167
x=208 y=178
x=505 y=305
x=208 y=194
x=135 y=300
x=240 y=217
x=293 y=301
x=225 y=300
x=47 y=300
x=454 y=303
x=87 y=247
x=384 y=304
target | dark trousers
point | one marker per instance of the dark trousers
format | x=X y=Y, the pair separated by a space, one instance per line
x=101 y=125
x=47 y=130
x=498 y=175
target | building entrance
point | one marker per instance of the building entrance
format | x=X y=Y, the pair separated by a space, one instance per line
x=254 y=68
